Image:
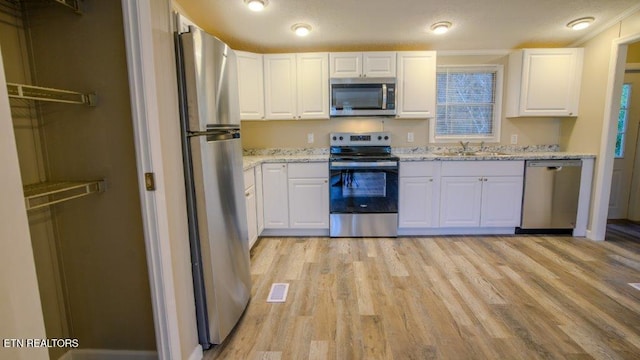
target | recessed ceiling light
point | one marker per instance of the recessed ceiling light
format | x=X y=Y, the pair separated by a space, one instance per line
x=440 y=27
x=582 y=23
x=256 y=5
x=301 y=29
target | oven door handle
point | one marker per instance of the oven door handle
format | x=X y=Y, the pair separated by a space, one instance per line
x=363 y=164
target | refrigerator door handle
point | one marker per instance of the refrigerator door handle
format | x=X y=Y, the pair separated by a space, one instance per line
x=222 y=135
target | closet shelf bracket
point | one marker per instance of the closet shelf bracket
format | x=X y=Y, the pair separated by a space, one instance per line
x=21 y=91
x=49 y=193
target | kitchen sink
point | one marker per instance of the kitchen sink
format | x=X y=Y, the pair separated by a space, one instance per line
x=470 y=153
x=490 y=153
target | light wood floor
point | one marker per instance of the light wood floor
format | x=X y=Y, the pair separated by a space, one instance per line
x=525 y=297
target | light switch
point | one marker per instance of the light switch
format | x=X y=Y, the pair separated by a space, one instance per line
x=310 y=139
x=514 y=139
x=410 y=137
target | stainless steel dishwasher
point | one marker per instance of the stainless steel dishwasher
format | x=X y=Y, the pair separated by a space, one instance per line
x=550 y=201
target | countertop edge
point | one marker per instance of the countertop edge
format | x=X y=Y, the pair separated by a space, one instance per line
x=254 y=160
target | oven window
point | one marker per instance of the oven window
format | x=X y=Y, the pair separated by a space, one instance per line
x=364 y=184
x=363 y=191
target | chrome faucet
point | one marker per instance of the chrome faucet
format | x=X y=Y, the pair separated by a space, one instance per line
x=464 y=146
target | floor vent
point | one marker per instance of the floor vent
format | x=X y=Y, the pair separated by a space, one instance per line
x=635 y=285
x=278 y=293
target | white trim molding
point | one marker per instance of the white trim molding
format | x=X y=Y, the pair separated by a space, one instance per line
x=604 y=168
x=104 y=354
x=138 y=27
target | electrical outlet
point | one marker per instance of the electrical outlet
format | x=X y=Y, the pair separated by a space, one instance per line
x=514 y=139
x=410 y=137
x=310 y=138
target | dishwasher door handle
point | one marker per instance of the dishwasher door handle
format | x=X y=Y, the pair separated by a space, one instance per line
x=554 y=168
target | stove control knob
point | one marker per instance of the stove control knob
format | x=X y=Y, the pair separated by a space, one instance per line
x=379 y=137
x=341 y=138
x=334 y=138
x=386 y=138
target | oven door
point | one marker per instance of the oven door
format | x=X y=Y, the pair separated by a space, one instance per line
x=358 y=187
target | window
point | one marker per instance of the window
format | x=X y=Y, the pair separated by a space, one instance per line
x=622 y=120
x=468 y=103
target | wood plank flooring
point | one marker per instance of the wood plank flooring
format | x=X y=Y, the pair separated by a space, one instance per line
x=502 y=297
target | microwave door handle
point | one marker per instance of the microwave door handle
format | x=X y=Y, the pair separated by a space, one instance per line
x=384 y=96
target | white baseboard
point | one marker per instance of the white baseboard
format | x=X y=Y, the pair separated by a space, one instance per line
x=197 y=353
x=437 y=231
x=102 y=354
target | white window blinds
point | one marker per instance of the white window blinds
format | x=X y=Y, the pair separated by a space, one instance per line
x=466 y=101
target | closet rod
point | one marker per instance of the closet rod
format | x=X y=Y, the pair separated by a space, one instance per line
x=73 y=4
x=49 y=193
x=21 y=91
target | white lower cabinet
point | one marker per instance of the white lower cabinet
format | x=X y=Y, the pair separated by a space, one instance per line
x=295 y=196
x=501 y=201
x=251 y=206
x=275 y=196
x=481 y=193
x=418 y=201
x=309 y=196
x=259 y=200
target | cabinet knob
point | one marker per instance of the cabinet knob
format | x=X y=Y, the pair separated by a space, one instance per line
x=485 y=179
x=479 y=179
x=326 y=181
x=246 y=194
x=430 y=180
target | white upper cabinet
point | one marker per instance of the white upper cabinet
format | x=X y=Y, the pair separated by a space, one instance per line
x=280 y=86
x=313 y=85
x=296 y=86
x=358 y=64
x=544 y=82
x=250 y=85
x=416 y=84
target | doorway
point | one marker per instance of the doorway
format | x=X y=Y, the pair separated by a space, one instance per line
x=624 y=201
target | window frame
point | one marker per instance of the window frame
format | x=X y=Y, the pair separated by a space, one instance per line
x=497 y=105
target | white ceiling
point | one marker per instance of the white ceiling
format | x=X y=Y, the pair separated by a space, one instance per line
x=402 y=24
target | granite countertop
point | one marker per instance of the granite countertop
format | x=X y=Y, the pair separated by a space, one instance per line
x=553 y=155
x=252 y=158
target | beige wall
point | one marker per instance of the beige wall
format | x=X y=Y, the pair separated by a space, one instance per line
x=584 y=133
x=633 y=53
x=20 y=308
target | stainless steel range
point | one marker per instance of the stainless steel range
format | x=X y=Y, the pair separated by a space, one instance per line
x=364 y=185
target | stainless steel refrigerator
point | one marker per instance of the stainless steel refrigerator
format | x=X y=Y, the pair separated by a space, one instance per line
x=210 y=121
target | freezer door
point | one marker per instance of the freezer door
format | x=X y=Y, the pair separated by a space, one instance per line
x=222 y=230
x=210 y=81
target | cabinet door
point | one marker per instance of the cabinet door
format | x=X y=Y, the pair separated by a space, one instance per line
x=416 y=84
x=309 y=203
x=250 y=200
x=259 y=200
x=313 y=85
x=345 y=64
x=379 y=64
x=250 y=85
x=460 y=201
x=416 y=203
x=280 y=86
x=549 y=81
x=276 y=200
x=501 y=201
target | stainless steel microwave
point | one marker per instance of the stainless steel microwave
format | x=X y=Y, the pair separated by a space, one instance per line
x=363 y=96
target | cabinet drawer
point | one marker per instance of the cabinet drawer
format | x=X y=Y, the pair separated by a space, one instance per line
x=419 y=168
x=482 y=168
x=308 y=170
x=249 y=179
